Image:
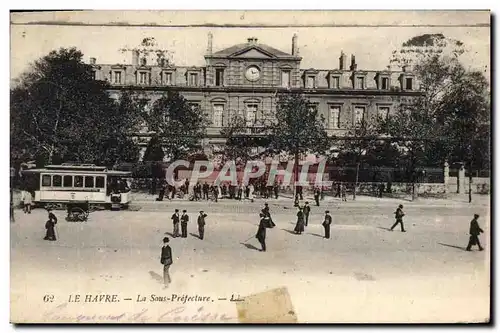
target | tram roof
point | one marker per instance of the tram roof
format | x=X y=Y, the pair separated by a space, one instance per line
x=86 y=171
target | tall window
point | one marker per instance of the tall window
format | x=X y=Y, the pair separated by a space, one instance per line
x=94 y=75
x=384 y=83
x=360 y=83
x=334 y=121
x=285 y=78
x=335 y=82
x=383 y=112
x=193 y=79
x=310 y=82
x=219 y=77
x=117 y=77
x=166 y=78
x=144 y=78
x=251 y=114
x=218 y=115
x=359 y=114
x=409 y=83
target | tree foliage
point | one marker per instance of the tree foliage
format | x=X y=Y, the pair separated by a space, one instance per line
x=179 y=125
x=298 y=128
x=59 y=111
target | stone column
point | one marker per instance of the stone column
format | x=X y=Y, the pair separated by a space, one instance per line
x=446 y=176
x=461 y=180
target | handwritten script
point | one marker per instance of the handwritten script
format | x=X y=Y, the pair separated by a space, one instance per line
x=178 y=314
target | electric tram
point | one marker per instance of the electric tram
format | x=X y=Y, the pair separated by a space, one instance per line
x=73 y=184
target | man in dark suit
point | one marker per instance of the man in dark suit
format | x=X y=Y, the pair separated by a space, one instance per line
x=166 y=261
x=201 y=224
x=399 y=218
x=261 y=232
x=317 y=195
x=176 y=219
x=474 y=232
x=326 y=224
x=184 y=223
x=306 y=210
x=206 y=188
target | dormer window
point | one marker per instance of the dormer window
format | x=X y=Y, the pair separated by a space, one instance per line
x=116 y=77
x=193 y=79
x=143 y=77
x=359 y=83
x=409 y=83
x=310 y=78
x=310 y=82
x=383 y=80
x=335 y=82
x=166 y=78
x=285 y=78
x=144 y=61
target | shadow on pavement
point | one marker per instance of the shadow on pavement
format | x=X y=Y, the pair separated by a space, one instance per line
x=384 y=228
x=250 y=246
x=156 y=276
x=317 y=235
x=194 y=235
x=289 y=231
x=454 y=246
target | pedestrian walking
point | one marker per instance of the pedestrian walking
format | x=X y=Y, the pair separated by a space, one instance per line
x=166 y=260
x=307 y=211
x=299 y=227
x=205 y=191
x=326 y=224
x=399 y=218
x=317 y=194
x=240 y=191
x=300 y=193
x=343 y=192
x=184 y=223
x=201 y=224
x=261 y=231
x=27 y=201
x=50 y=227
x=474 y=232
x=276 y=190
x=176 y=220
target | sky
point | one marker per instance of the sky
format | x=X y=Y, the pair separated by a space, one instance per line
x=371 y=36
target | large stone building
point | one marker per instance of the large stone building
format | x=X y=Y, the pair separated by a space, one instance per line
x=245 y=78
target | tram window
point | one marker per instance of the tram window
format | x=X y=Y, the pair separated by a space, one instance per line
x=68 y=181
x=89 y=181
x=78 y=181
x=99 y=182
x=46 y=180
x=56 y=181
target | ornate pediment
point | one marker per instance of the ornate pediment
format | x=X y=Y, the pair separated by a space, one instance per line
x=253 y=53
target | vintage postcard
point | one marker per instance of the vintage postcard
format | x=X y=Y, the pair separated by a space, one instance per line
x=250 y=167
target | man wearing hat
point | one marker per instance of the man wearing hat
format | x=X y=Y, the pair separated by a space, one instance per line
x=176 y=219
x=184 y=223
x=326 y=224
x=166 y=260
x=201 y=224
x=399 y=218
x=306 y=209
x=474 y=232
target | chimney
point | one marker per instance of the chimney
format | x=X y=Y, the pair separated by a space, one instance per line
x=135 y=57
x=295 y=45
x=342 y=61
x=210 y=40
x=354 y=66
x=92 y=61
x=252 y=40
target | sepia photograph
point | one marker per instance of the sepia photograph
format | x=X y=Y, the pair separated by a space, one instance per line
x=244 y=167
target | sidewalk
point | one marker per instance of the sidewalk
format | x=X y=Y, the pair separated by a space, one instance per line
x=361 y=200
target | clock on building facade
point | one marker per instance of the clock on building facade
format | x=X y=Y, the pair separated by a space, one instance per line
x=252 y=73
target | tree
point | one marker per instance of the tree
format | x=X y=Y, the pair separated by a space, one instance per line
x=154 y=155
x=298 y=129
x=59 y=111
x=179 y=125
x=362 y=138
x=240 y=146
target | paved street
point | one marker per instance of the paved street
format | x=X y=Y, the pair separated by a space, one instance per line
x=363 y=273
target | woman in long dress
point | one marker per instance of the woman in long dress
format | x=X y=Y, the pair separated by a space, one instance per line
x=49 y=226
x=299 y=227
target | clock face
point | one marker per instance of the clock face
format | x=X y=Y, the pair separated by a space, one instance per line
x=252 y=73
